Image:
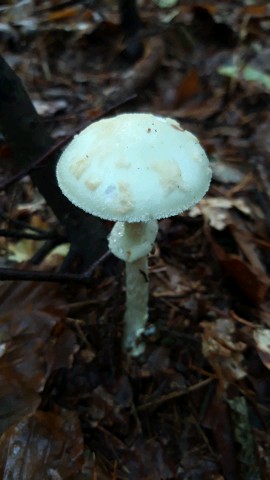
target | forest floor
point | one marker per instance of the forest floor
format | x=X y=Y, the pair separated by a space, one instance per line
x=196 y=404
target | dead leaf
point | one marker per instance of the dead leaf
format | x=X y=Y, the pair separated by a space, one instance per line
x=223 y=352
x=16 y=399
x=188 y=88
x=226 y=172
x=262 y=343
x=63 y=14
x=23 y=250
x=251 y=280
x=255 y=10
x=40 y=445
x=216 y=210
x=50 y=108
x=33 y=342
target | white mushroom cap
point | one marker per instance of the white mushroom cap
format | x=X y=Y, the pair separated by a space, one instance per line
x=134 y=168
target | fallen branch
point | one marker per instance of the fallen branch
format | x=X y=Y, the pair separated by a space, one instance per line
x=24 y=275
x=32 y=236
x=29 y=140
x=174 y=395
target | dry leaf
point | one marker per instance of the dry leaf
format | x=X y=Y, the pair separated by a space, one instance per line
x=262 y=343
x=31 y=346
x=216 y=210
x=38 y=446
x=222 y=351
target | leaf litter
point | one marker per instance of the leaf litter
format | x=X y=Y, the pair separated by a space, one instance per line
x=196 y=405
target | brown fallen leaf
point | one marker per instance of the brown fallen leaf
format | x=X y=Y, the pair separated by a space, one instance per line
x=63 y=14
x=16 y=400
x=45 y=446
x=255 y=10
x=188 y=88
x=223 y=352
x=251 y=280
x=217 y=418
x=33 y=342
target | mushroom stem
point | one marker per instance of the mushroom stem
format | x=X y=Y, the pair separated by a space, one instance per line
x=136 y=315
x=132 y=242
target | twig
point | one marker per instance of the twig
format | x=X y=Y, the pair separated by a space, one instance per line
x=173 y=395
x=13 y=274
x=31 y=236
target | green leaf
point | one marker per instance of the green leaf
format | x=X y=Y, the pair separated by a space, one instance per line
x=247 y=73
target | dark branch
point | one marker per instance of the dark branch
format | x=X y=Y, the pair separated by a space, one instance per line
x=32 y=236
x=29 y=140
x=131 y=25
x=129 y=15
x=13 y=274
x=19 y=223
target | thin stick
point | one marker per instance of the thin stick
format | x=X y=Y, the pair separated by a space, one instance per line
x=173 y=395
x=31 y=236
x=13 y=274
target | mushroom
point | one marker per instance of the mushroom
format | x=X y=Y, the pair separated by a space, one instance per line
x=134 y=169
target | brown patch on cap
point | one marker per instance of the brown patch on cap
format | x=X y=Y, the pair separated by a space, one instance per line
x=169 y=175
x=78 y=167
x=92 y=185
x=122 y=163
x=124 y=204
